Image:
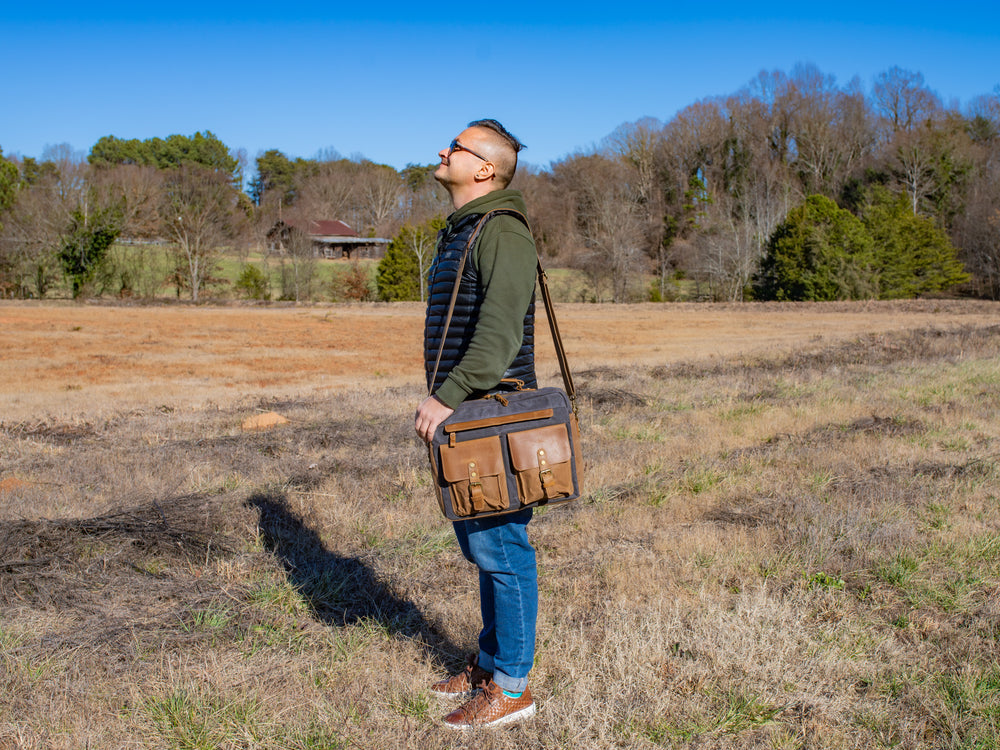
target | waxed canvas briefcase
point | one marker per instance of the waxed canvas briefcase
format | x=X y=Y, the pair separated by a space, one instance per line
x=506 y=452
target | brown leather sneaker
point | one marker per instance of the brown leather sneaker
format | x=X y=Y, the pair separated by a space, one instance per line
x=489 y=707
x=470 y=678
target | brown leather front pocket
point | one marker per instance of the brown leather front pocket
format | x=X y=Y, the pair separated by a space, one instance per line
x=475 y=475
x=541 y=458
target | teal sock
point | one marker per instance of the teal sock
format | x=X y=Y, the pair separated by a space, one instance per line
x=513 y=695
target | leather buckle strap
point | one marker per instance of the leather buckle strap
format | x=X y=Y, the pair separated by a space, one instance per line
x=475 y=485
x=545 y=473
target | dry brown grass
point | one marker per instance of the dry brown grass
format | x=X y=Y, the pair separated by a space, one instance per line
x=71 y=361
x=789 y=538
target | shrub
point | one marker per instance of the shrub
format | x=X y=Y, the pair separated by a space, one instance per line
x=353 y=285
x=913 y=255
x=253 y=283
x=820 y=252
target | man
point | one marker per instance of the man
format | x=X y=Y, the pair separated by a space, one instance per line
x=490 y=337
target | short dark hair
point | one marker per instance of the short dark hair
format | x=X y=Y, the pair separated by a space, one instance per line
x=500 y=130
x=505 y=167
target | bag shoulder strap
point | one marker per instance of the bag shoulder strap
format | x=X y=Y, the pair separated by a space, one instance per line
x=543 y=283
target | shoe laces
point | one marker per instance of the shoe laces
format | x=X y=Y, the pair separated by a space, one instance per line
x=480 y=701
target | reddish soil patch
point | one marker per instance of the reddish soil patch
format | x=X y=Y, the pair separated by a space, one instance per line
x=11 y=484
x=85 y=358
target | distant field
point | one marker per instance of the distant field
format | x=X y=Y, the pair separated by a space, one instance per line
x=62 y=359
x=789 y=537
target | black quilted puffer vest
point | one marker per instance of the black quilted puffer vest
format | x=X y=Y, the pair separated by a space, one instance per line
x=441 y=282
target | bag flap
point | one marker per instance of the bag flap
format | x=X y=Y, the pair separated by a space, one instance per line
x=524 y=446
x=485 y=452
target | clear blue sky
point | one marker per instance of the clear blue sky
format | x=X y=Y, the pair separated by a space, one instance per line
x=393 y=82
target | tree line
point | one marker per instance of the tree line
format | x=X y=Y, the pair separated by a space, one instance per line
x=791 y=188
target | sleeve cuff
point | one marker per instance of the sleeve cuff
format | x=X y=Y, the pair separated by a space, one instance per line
x=451 y=394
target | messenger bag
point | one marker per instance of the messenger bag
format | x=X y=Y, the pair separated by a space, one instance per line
x=513 y=449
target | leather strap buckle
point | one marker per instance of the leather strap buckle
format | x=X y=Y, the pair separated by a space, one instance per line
x=544 y=472
x=475 y=486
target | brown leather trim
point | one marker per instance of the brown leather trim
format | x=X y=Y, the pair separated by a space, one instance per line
x=476 y=424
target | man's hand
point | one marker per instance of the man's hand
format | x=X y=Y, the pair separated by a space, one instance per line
x=431 y=412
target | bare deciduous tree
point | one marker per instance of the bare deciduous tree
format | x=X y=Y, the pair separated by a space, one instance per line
x=137 y=192
x=29 y=244
x=330 y=193
x=728 y=249
x=36 y=225
x=297 y=264
x=367 y=196
x=640 y=145
x=902 y=100
x=198 y=215
x=831 y=130
x=608 y=222
x=380 y=189
x=977 y=228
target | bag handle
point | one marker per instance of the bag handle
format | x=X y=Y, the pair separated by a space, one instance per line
x=543 y=283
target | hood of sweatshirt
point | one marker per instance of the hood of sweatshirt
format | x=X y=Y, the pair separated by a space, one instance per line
x=497 y=199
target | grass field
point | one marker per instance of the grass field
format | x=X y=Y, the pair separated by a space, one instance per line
x=788 y=539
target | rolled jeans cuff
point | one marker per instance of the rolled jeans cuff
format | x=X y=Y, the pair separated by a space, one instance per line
x=503 y=681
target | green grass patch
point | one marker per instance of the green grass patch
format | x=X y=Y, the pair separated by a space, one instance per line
x=415 y=706
x=897 y=571
x=191 y=720
x=355 y=641
x=698 y=479
x=211 y=618
x=426 y=542
x=281 y=595
x=736 y=712
x=936 y=516
x=823 y=580
x=315 y=737
x=645 y=434
x=743 y=411
x=972 y=701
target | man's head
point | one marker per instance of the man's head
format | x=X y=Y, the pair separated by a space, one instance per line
x=483 y=158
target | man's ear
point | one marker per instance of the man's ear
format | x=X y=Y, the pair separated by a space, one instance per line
x=486 y=172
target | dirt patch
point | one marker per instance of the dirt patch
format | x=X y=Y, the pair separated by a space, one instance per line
x=750 y=514
x=891 y=426
x=982 y=468
x=12 y=484
x=266 y=421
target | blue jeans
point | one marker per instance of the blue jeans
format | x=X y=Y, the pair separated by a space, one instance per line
x=508 y=594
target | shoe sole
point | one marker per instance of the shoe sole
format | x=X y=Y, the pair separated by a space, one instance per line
x=525 y=713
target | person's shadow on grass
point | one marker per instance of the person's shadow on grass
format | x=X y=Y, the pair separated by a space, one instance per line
x=341 y=590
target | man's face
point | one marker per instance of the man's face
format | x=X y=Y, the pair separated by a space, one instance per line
x=462 y=159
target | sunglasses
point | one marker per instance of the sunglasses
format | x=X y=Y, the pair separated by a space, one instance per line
x=456 y=146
